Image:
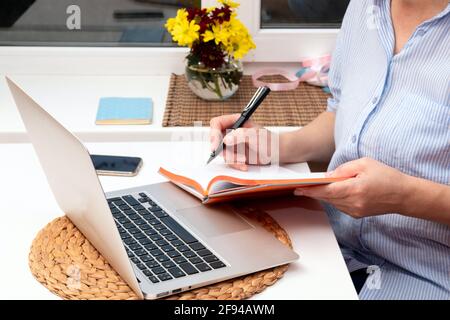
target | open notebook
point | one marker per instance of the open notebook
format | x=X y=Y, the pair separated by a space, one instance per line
x=217 y=182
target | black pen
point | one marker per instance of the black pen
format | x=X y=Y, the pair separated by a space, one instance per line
x=251 y=107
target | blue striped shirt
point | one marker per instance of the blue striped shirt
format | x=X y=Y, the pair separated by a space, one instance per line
x=395 y=109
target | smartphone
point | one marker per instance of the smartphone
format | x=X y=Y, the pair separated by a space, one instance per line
x=116 y=165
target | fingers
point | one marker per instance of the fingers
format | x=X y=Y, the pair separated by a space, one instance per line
x=231 y=155
x=340 y=203
x=350 y=169
x=332 y=191
x=239 y=166
x=224 y=122
x=254 y=143
x=241 y=145
x=219 y=125
x=235 y=160
x=241 y=135
x=258 y=142
x=319 y=192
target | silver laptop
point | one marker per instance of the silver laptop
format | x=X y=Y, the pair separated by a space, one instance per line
x=160 y=239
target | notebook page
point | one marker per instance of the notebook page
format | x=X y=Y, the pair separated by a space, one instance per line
x=205 y=173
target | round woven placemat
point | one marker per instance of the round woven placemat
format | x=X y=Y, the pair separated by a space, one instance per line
x=65 y=262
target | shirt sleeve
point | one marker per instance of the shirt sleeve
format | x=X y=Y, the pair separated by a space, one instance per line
x=337 y=61
x=334 y=83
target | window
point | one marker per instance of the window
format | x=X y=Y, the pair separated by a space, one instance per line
x=296 y=28
x=302 y=13
x=87 y=22
x=128 y=37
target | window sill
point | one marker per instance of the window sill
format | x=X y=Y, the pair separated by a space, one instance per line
x=73 y=101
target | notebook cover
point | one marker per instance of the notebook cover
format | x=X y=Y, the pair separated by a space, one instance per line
x=112 y=110
x=252 y=187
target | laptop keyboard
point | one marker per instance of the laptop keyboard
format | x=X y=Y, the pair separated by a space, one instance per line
x=157 y=244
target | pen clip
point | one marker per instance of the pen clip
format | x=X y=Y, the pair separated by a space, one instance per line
x=252 y=100
x=256 y=100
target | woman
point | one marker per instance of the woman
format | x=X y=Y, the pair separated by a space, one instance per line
x=387 y=127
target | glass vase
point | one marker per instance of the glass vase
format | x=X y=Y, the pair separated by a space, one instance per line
x=214 y=84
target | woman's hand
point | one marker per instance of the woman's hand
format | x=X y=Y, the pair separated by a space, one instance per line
x=250 y=144
x=374 y=189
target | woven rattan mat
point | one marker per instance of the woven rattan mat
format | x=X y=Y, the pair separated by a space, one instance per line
x=64 y=261
x=281 y=108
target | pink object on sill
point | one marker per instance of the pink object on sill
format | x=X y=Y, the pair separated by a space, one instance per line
x=313 y=71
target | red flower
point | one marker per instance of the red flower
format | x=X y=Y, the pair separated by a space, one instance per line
x=221 y=14
x=210 y=54
x=195 y=12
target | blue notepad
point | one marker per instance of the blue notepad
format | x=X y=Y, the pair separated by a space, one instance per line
x=112 y=110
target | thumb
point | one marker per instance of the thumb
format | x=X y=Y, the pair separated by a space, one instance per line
x=347 y=170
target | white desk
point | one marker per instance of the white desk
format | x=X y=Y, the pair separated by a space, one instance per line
x=27 y=204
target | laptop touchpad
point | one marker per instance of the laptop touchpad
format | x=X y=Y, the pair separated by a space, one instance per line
x=214 y=221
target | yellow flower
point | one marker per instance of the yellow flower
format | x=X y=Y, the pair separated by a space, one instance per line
x=181 y=15
x=208 y=36
x=231 y=36
x=185 y=33
x=222 y=33
x=240 y=41
x=230 y=3
x=170 y=24
x=242 y=48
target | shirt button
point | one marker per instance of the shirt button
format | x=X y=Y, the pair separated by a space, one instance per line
x=375 y=100
x=353 y=138
x=420 y=32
